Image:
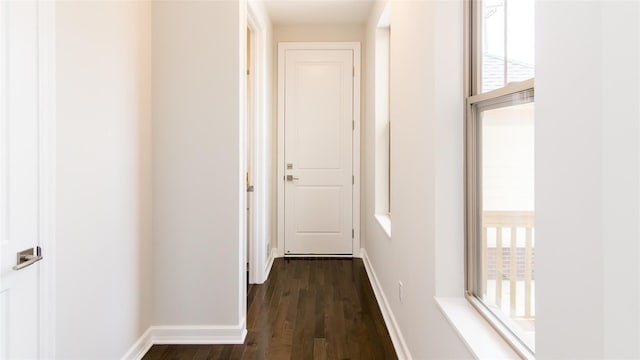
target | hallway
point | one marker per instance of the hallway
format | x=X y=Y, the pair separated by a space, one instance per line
x=308 y=309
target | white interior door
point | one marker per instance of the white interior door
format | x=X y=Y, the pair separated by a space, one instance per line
x=19 y=179
x=318 y=136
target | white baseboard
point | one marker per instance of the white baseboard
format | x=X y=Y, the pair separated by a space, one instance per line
x=144 y=343
x=394 y=331
x=196 y=334
x=272 y=256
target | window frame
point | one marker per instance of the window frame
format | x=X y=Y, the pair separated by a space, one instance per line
x=473 y=96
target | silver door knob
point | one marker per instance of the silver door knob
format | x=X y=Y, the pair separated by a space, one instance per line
x=291 y=178
x=27 y=258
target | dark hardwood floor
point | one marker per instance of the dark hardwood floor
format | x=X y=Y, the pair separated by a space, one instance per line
x=308 y=309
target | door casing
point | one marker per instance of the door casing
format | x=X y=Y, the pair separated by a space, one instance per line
x=47 y=88
x=282 y=48
x=259 y=258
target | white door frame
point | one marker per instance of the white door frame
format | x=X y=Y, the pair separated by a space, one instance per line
x=47 y=171
x=355 y=47
x=259 y=260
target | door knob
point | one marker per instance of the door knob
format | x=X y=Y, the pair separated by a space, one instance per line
x=26 y=258
x=291 y=178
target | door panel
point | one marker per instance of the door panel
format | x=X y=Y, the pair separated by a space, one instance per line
x=19 y=178
x=316 y=209
x=317 y=104
x=318 y=151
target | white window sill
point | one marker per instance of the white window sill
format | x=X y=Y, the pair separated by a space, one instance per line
x=384 y=221
x=481 y=339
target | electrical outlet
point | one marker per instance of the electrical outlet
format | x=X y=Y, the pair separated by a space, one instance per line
x=400 y=291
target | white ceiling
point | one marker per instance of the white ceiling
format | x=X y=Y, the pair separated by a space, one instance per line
x=318 y=12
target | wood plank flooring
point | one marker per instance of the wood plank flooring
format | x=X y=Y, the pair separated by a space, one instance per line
x=308 y=309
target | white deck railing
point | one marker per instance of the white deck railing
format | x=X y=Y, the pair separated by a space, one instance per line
x=508 y=256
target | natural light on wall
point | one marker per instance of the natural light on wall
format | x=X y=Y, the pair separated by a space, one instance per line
x=500 y=209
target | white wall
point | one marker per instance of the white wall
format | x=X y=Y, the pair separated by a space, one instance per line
x=198 y=252
x=425 y=251
x=103 y=264
x=449 y=149
x=314 y=33
x=587 y=194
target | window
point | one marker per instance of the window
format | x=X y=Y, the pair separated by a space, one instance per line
x=383 y=121
x=500 y=153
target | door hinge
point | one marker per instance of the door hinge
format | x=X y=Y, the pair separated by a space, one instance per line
x=354 y=71
x=353 y=233
x=353 y=124
x=353 y=179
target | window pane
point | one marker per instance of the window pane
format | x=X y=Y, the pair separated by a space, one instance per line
x=493 y=45
x=506 y=42
x=520 y=40
x=505 y=279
